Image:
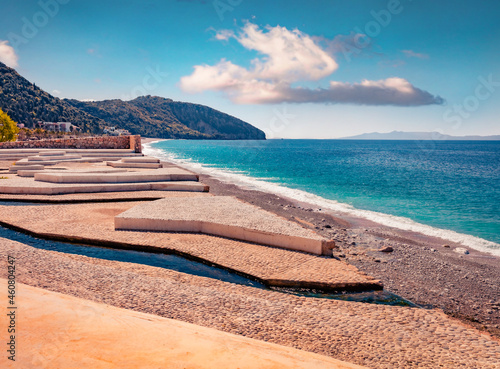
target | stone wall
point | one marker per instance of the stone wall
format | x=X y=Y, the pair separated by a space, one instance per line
x=135 y=143
x=103 y=142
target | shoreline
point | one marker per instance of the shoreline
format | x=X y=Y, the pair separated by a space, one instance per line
x=423 y=269
x=356 y=221
x=341 y=210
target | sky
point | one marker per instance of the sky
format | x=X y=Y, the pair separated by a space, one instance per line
x=295 y=69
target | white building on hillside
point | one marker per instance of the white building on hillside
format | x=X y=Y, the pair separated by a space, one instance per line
x=113 y=131
x=57 y=126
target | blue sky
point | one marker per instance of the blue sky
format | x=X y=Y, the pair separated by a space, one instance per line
x=296 y=69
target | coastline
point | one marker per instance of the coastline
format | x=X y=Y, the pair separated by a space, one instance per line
x=391 y=217
x=426 y=270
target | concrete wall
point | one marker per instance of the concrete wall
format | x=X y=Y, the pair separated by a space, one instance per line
x=103 y=142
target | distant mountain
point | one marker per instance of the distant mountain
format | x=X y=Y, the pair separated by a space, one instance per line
x=436 y=136
x=147 y=115
x=155 y=116
x=26 y=103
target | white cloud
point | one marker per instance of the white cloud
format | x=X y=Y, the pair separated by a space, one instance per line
x=218 y=77
x=288 y=57
x=8 y=55
x=224 y=35
x=390 y=91
x=413 y=54
x=56 y=92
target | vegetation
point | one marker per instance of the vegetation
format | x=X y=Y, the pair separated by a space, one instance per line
x=137 y=120
x=153 y=116
x=149 y=116
x=27 y=134
x=27 y=104
x=8 y=128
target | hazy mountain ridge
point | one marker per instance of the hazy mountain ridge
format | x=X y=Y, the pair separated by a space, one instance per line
x=400 y=135
x=150 y=116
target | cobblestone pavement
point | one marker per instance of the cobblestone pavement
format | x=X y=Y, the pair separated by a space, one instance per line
x=59 y=331
x=376 y=336
x=97 y=197
x=96 y=221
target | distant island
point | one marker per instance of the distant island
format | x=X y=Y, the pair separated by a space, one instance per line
x=434 y=136
x=149 y=116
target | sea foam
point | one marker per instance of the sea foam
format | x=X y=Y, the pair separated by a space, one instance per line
x=261 y=184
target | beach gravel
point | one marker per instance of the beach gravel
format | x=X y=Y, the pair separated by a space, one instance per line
x=462 y=285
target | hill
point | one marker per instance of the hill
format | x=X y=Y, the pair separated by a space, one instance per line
x=25 y=103
x=155 y=116
x=150 y=116
x=123 y=114
x=436 y=136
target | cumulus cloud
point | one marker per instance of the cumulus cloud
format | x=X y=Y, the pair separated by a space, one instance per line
x=288 y=57
x=8 y=55
x=390 y=91
x=413 y=54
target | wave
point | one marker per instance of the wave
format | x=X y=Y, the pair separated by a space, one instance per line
x=260 y=184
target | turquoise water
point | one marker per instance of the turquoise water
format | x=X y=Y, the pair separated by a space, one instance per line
x=445 y=188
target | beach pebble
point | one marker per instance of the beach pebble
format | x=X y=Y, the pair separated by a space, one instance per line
x=446 y=245
x=386 y=249
x=461 y=250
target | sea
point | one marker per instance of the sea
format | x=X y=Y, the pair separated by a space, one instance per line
x=447 y=189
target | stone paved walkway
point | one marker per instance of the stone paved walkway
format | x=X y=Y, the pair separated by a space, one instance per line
x=61 y=331
x=97 y=197
x=376 y=336
x=282 y=267
x=223 y=216
x=13 y=184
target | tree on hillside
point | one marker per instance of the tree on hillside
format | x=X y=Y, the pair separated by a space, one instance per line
x=8 y=128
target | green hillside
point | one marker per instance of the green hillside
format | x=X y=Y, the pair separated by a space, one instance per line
x=149 y=116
